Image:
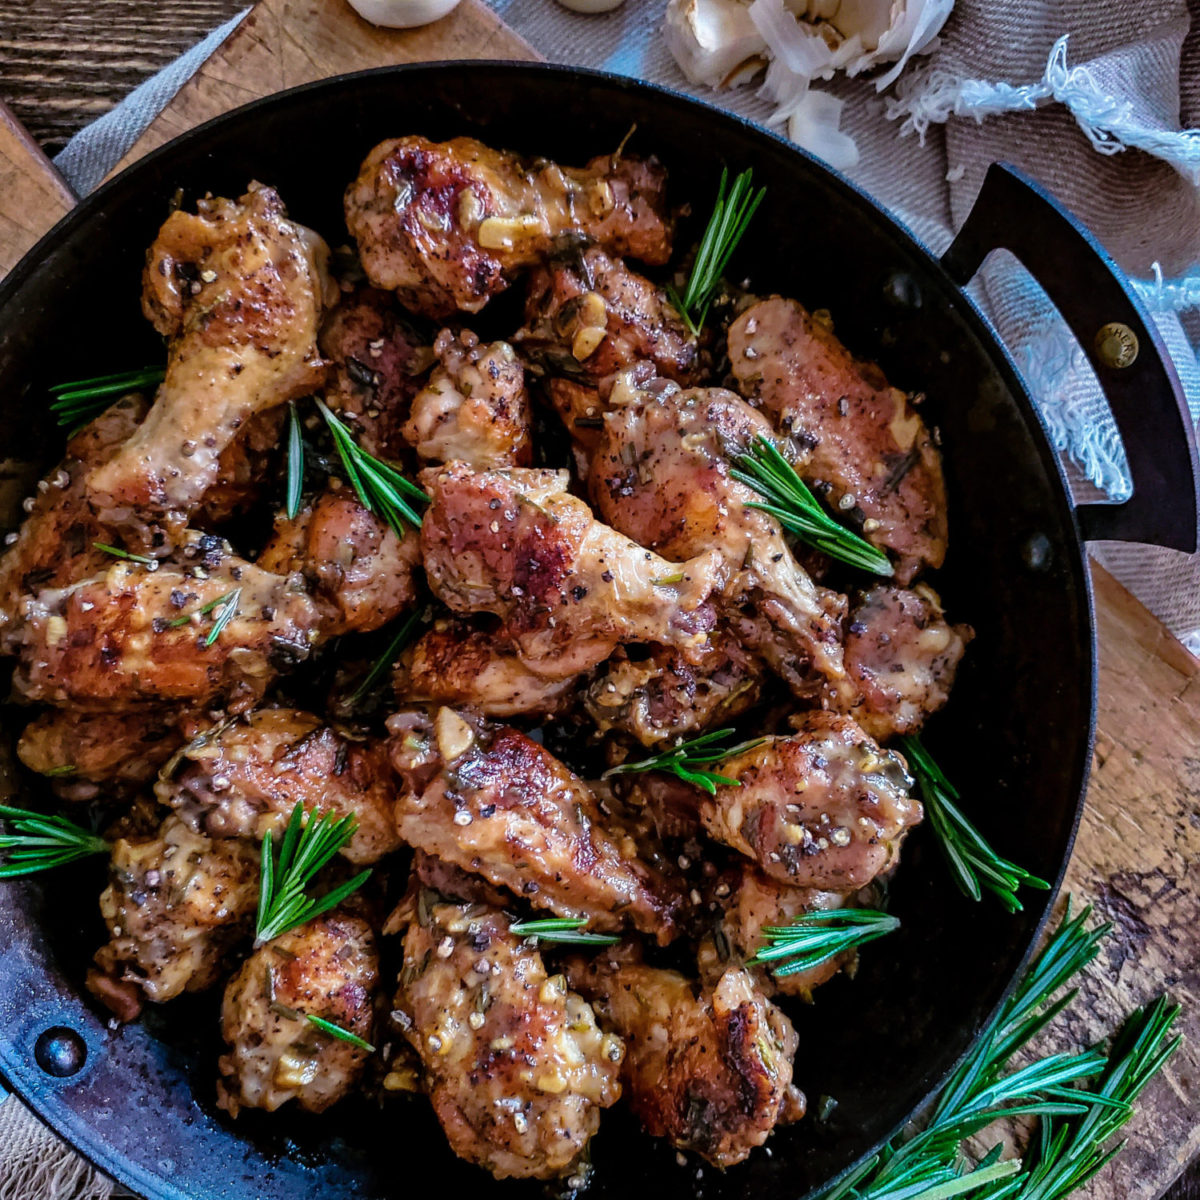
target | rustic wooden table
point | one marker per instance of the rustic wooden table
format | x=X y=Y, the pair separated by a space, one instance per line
x=63 y=63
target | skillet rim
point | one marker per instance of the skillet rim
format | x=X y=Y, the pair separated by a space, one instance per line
x=15 y=1072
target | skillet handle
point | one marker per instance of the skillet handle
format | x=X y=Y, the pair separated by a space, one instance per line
x=1139 y=382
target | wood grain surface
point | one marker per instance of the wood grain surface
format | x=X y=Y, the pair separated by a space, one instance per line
x=1137 y=859
x=33 y=195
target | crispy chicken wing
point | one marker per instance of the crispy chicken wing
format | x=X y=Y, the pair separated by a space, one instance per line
x=489 y=800
x=475 y=408
x=661 y=475
x=55 y=545
x=244 y=776
x=824 y=808
x=136 y=636
x=239 y=290
x=446 y=225
x=176 y=904
x=902 y=656
x=861 y=442
x=709 y=1069
x=515 y=1066
x=456 y=664
x=328 y=968
x=361 y=570
x=567 y=588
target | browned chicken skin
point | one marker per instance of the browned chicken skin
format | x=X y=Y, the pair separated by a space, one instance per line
x=240 y=291
x=489 y=800
x=328 y=968
x=175 y=906
x=902 y=656
x=567 y=588
x=824 y=808
x=861 y=442
x=136 y=636
x=458 y=665
x=710 y=1069
x=475 y=408
x=243 y=778
x=516 y=1068
x=446 y=225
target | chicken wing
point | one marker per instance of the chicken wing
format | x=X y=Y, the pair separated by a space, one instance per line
x=244 y=776
x=327 y=968
x=710 y=1071
x=458 y=665
x=239 y=291
x=136 y=636
x=661 y=475
x=486 y=798
x=567 y=589
x=516 y=1068
x=361 y=571
x=446 y=225
x=824 y=808
x=475 y=408
x=176 y=904
x=862 y=443
x=902 y=656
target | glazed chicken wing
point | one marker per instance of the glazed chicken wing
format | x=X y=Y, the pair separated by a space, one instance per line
x=176 y=904
x=710 y=1069
x=243 y=777
x=824 y=808
x=661 y=475
x=862 y=443
x=487 y=799
x=446 y=225
x=475 y=408
x=567 y=588
x=328 y=968
x=136 y=636
x=239 y=291
x=902 y=656
x=458 y=665
x=516 y=1068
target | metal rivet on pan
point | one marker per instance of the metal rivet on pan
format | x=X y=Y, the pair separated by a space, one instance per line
x=60 y=1052
x=1116 y=345
x=1037 y=552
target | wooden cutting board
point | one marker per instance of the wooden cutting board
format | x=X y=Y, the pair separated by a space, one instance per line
x=1138 y=854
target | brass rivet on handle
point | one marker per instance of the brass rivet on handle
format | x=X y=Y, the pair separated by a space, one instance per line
x=1116 y=345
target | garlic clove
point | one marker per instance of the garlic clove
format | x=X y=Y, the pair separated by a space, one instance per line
x=402 y=14
x=713 y=41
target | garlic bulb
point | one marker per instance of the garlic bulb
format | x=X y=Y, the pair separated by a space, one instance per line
x=713 y=41
x=402 y=14
x=591 y=6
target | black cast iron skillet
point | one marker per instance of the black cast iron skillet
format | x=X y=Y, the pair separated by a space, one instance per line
x=1017 y=736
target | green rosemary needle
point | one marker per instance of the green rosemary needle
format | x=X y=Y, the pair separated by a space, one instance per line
x=295 y=462
x=731 y=215
x=227 y=603
x=38 y=841
x=815 y=937
x=385 y=661
x=792 y=504
x=380 y=488
x=78 y=402
x=975 y=866
x=338 y=1032
x=689 y=760
x=562 y=929
x=307 y=846
x=117 y=552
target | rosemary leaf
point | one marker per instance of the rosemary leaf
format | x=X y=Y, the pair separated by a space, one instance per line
x=38 y=841
x=816 y=937
x=295 y=462
x=117 y=552
x=562 y=929
x=688 y=760
x=227 y=613
x=384 y=662
x=338 y=1032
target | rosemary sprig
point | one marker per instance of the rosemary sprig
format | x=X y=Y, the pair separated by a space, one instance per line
x=338 y=1032
x=38 y=841
x=228 y=604
x=380 y=488
x=688 y=760
x=815 y=937
x=307 y=846
x=562 y=929
x=731 y=215
x=792 y=504
x=117 y=552
x=295 y=462
x=975 y=866
x=384 y=662
x=77 y=402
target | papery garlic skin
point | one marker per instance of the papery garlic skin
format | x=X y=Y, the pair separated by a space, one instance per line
x=713 y=41
x=402 y=14
x=814 y=125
